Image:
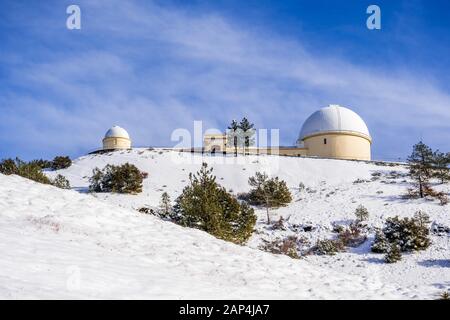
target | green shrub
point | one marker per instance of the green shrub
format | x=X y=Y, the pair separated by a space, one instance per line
x=206 y=205
x=8 y=166
x=61 y=162
x=328 y=247
x=61 y=182
x=410 y=234
x=124 y=178
x=270 y=193
x=30 y=170
x=43 y=164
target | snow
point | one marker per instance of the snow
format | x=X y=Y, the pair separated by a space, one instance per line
x=71 y=244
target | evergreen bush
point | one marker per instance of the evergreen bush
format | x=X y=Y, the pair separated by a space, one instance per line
x=125 y=178
x=206 y=205
x=61 y=182
x=328 y=247
x=410 y=234
x=394 y=254
x=61 y=162
x=30 y=170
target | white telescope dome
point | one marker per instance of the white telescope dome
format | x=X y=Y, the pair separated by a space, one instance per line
x=334 y=119
x=117 y=132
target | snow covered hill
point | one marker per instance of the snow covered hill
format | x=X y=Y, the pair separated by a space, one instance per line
x=69 y=244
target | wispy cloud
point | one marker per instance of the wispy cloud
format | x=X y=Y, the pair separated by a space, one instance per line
x=153 y=69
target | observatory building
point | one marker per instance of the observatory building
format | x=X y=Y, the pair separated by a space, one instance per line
x=116 y=138
x=330 y=132
x=335 y=132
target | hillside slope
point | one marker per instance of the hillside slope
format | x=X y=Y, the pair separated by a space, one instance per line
x=62 y=244
x=121 y=253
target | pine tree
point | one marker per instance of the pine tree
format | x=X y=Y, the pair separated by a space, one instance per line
x=206 y=205
x=381 y=243
x=440 y=163
x=361 y=213
x=165 y=206
x=420 y=167
x=248 y=132
x=233 y=135
x=270 y=193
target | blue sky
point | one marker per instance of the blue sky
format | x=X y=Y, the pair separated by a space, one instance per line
x=155 y=66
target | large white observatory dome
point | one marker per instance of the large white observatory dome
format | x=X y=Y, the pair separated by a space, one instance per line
x=334 y=119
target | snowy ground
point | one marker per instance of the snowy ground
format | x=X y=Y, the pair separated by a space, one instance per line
x=68 y=244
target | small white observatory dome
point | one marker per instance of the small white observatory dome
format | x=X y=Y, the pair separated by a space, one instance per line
x=333 y=119
x=116 y=138
x=117 y=132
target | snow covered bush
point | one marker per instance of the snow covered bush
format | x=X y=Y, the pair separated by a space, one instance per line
x=124 y=178
x=301 y=187
x=61 y=162
x=361 y=213
x=411 y=234
x=394 y=254
x=286 y=246
x=279 y=225
x=380 y=243
x=353 y=235
x=61 y=182
x=328 y=247
x=268 y=192
x=146 y=210
x=206 y=205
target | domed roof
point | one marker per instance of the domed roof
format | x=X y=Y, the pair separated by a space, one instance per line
x=333 y=118
x=117 y=132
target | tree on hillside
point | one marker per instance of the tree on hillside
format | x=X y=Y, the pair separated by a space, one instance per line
x=440 y=164
x=165 y=207
x=248 y=133
x=233 y=135
x=270 y=193
x=206 y=205
x=420 y=167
